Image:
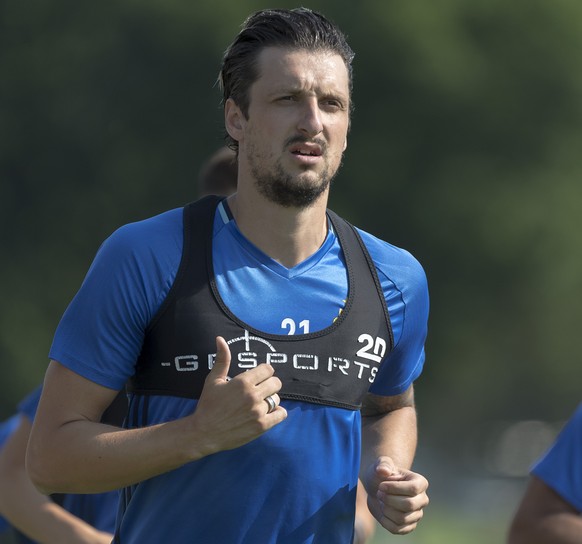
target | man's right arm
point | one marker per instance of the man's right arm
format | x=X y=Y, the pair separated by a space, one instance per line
x=543 y=517
x=70 y=451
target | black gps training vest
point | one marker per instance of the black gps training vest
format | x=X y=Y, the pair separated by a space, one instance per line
x=334 y=366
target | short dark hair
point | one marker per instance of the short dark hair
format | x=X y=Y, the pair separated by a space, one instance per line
x=298 y=28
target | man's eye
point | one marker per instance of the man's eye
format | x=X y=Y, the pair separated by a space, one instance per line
x=333 y=104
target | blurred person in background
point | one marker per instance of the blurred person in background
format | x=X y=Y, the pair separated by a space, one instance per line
x=239 y=432
x=218 y=175
x=68 y=518
x=550 y=510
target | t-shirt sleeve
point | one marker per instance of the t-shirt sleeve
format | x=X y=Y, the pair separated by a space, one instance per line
x=405 y=288
x=101 y=332
x=561 y=466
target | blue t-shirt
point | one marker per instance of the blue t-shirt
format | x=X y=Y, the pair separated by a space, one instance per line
x=561 y=466
x=7 y=427
x=99 y=509
x=297 y=482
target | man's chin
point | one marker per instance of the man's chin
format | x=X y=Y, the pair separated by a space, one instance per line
x=289 y=195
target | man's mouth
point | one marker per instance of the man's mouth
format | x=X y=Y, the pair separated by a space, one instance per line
x=307 y=150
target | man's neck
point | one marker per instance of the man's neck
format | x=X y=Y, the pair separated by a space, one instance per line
x=287 y=235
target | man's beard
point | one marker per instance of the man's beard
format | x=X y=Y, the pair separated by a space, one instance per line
x=286 y=190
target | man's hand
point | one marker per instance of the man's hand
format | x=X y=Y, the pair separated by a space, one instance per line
x=232 y=412
x=400 y=497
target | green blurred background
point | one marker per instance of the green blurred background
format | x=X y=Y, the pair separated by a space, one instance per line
x=464 y=149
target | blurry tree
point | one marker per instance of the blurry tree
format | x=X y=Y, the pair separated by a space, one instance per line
x=106 y=111
x=464 y=149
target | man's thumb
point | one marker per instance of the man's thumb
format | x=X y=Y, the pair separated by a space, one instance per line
x=222 y=361
x=385 y=468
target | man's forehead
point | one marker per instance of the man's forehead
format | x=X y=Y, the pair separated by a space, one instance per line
x=285 y=66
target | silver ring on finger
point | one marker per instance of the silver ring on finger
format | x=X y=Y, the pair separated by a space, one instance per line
x=271 y=404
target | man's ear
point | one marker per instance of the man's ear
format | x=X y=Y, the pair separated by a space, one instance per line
x=234 y=120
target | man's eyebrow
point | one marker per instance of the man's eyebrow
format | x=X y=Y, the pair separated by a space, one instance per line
x=288 y=88
x=298 y=90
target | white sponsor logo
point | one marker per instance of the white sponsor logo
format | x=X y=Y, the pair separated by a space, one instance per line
x=373 y=350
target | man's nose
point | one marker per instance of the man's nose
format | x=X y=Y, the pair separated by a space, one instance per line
x=310 y=122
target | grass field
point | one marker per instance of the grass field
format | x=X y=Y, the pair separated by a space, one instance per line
x=444 y=527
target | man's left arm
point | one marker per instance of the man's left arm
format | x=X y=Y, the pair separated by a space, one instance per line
x=396 y=495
